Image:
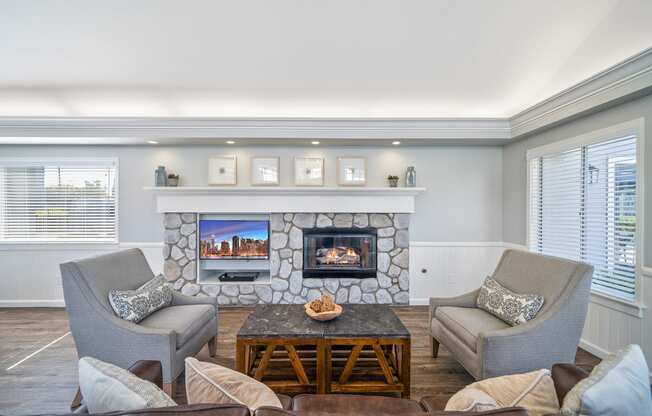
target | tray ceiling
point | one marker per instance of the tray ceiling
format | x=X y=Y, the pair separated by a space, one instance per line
x=342 y=58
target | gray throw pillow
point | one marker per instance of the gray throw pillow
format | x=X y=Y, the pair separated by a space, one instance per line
x=108 y=388
x=136 y=305
x=513 y=308
x=619 y=385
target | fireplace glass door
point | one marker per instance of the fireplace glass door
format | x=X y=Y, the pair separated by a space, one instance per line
x=339 y=253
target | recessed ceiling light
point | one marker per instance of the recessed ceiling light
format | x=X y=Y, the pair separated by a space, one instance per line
x=230 y=142
x=152 y=142
x=315 y=142
x=396 y=143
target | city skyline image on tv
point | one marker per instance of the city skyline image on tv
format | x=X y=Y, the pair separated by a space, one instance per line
x=233 y=239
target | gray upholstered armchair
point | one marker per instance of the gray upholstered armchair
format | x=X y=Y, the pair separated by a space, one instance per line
x=488 y=347
x=169 y=335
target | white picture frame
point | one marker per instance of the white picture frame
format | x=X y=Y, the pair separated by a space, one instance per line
x=265 y=171
x=222 y=170
x=351 y=171
x=308 y=171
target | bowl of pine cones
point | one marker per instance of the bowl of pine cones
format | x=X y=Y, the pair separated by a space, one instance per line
x=323 y=309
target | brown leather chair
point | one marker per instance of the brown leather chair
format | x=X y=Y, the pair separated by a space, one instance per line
x=565 y=376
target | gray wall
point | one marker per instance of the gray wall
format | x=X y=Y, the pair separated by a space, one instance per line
x=514 y=166
x=463 y=201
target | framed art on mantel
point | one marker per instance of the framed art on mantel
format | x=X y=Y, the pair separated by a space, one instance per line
x=308 y=171
x=265 y=171
x=351 y=171
x=222 y=170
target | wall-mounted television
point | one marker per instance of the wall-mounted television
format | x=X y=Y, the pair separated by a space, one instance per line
x=233 y=240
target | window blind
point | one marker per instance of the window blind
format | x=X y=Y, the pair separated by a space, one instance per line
x=583 y=207
x=65 y=201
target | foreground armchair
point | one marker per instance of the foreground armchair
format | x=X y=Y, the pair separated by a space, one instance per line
x=169 y=335
x=488 y=347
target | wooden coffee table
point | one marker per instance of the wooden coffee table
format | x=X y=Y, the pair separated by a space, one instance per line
x=366 y=349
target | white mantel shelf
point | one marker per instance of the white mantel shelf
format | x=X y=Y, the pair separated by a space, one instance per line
x=231 y=200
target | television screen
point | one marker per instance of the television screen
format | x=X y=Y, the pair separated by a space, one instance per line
x=233 y=239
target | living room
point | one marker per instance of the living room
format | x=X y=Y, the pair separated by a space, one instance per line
x=338 y=207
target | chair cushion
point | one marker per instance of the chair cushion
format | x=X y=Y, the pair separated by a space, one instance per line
x=467 y=323
x=185 y=320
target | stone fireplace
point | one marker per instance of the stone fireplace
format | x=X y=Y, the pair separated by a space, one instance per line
x=288 y=276
x=361 y=258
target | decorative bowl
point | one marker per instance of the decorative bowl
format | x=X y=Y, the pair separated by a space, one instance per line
x=323 y=316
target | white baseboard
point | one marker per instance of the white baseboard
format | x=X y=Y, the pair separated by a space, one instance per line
x=32 y=303
x=419 y=301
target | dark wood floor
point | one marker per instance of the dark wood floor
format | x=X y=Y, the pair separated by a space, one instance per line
x=46 y=382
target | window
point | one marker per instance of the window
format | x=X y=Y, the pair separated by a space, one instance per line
x=583 y=206
x=58 y=201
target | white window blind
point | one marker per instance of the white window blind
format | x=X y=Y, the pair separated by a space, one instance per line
x=583 y=207
x=58 y=201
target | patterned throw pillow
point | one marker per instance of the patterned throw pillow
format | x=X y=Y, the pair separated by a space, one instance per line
x=136 y=305
x=513 y=308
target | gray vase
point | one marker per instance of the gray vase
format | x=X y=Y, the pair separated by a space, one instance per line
x=410 y=177
x=160 y=176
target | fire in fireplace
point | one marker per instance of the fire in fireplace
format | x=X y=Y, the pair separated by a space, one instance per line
x=339 y=252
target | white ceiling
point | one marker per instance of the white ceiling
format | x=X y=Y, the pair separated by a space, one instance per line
x=306 y=58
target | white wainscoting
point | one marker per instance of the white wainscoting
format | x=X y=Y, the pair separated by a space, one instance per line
x=30 y=273
x=440 y=269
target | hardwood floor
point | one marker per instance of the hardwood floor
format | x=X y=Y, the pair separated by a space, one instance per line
x=46 y=382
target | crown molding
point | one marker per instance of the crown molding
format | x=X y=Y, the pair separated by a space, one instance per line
x=618 y=82
x=193 y=130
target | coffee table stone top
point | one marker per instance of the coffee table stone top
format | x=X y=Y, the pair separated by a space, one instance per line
x=291 y=321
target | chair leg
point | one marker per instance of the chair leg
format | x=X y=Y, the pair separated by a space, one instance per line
x=170 y=389
x=212 y=346
x=76 y=401
x=435 y=347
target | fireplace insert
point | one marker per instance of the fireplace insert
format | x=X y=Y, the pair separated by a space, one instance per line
x=339 y=252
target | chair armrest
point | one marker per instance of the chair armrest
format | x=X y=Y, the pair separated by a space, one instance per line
x=466 y=300
x=519 y=346
x=286 y=401
x=565 y=377
x=179 y=298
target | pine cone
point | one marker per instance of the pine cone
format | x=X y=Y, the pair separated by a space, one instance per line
x=316 y=305
x=327 y=303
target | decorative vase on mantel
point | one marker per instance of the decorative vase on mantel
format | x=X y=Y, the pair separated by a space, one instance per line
x=393 y=181
x=160 y=176
x=411 y=177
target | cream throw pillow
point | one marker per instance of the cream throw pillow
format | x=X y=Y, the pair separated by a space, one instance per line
x=535 y=391
x=108 y=388
x=212 y=383
x=471 y=399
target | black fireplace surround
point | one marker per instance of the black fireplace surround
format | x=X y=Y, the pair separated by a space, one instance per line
x=339 y=252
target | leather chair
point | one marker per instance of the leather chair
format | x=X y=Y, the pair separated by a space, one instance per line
x=169 y=335
x=564 y=376
x=488 y=347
